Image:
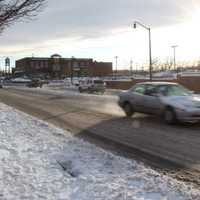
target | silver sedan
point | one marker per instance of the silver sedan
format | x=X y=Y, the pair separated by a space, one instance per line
x=170 y=100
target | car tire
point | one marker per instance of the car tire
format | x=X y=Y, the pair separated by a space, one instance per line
x=80 y=89
x=90 y=90
x=169 y=116
x=128 y=109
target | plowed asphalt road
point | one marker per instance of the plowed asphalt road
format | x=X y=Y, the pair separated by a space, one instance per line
x=100 y=118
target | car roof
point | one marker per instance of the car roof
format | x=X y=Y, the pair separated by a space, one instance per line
x=157 y=83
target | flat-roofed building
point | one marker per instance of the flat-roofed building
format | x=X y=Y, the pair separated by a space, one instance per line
x=58 y=67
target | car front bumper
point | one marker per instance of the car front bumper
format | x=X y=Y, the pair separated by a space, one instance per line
x=188 y=115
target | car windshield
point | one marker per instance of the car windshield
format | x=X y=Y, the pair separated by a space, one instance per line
x=177 y=90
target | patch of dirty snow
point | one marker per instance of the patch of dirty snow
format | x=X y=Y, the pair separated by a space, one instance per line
x=40 y=161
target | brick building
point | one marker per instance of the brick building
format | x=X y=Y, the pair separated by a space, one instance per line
x=58 y=67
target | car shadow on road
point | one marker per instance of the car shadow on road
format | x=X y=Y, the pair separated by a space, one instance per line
x=149 y=140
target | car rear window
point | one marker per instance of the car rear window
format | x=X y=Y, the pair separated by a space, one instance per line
x=163 y=89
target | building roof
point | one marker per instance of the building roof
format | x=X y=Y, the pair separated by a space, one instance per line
x=48 y=58
x=56 y=56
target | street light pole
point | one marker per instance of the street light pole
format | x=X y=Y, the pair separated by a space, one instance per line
x=174 y=47
x=72 y=69
x=116 y=59
x=131 y=67
x=150 y=49
x=150 y=56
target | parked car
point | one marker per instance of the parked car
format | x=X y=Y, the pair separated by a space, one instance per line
x=35 y=83
x=170 y=100
x=75 y=81
x=20 y=80
x=92 y=85
x=1 y=82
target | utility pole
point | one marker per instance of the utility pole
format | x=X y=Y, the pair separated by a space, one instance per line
x=150 y=51
x=174 y=48
x=72 y=69
x=7 y=64
x=131 y=67
x=116 y=62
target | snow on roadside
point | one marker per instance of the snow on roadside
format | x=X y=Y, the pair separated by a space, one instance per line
x=40 y=161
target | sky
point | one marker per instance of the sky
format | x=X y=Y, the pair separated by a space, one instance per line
x=103 y=29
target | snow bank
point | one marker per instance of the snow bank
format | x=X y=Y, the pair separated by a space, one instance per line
x=40 y=161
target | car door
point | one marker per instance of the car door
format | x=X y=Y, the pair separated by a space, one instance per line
x=152 y=101
x=136 y=97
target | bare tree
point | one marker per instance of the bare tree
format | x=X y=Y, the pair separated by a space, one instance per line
x=14 y=10
x=156 y=64
x=168 y=64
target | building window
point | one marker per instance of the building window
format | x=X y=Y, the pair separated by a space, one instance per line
x=46 y=64
x=41 y=64
x=37 y=65
x=32 y=65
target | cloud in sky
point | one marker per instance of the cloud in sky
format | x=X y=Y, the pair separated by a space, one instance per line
x=93 y=18
x=80 y=20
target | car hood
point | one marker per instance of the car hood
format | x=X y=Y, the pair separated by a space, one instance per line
x=183 y=101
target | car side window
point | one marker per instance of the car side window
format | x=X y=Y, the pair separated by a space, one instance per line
x=150 y=90
x=163 y=89
x=140 y=89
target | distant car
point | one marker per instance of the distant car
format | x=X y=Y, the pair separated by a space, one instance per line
x=75 y=81
x=35 y=83
x=92 y=85
x=1 y=82
x=170 y=100
x=21 y=80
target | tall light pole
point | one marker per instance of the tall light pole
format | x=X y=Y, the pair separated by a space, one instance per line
x=174 y=48
x=116 y=62
x=150 y=52
x=131 y=67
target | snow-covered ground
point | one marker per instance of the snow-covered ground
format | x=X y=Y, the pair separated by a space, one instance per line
x=40 y=161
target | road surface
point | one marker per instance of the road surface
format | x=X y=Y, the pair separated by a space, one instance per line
x=100 y=117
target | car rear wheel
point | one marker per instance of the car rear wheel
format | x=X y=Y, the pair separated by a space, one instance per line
x=128 y=109
x=170 y=116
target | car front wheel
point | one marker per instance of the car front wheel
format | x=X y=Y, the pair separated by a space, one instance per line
x=170 y=116
x=128 y=110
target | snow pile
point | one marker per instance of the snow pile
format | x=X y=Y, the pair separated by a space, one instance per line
x=39 y=161
x=192 y=73
x=168 y=75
